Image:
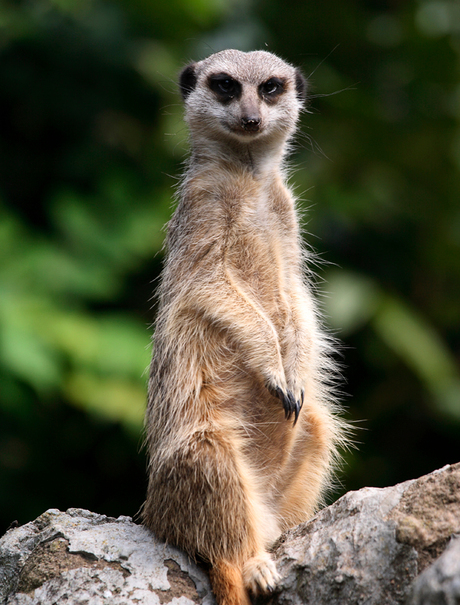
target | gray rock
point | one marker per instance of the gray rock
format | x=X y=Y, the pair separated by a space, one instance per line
x=440 y=583
x=348 y=554
x=79 y=557
x=367 y=548
x=370 y=545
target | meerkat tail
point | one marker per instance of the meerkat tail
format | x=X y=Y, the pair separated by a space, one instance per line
x=227 y=584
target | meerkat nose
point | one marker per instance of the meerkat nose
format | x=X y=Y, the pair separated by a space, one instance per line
x=251 y=123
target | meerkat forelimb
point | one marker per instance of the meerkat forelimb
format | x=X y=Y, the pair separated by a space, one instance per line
x=241 y=426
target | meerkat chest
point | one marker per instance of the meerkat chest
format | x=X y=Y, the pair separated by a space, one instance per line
x=257 y=255
x=252 y=222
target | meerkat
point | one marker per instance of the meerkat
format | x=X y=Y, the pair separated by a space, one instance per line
x=241 y=425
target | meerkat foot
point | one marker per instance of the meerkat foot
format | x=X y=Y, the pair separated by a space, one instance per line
x=259 y=574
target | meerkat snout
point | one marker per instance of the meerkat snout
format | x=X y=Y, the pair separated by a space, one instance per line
x=250 y=110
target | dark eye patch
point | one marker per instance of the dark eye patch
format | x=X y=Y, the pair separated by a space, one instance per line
x=272 y=88
x=224 y=86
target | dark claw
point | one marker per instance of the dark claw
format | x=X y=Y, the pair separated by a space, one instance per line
x=287 y=402
x=290 y=404
x=297 y=411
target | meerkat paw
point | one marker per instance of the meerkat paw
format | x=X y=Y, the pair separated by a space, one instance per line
x=259 y=574
x=292 y=404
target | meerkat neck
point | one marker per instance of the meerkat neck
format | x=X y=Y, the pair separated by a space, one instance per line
x=259 y=157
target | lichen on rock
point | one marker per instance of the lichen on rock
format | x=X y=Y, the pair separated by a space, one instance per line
x=81 y=557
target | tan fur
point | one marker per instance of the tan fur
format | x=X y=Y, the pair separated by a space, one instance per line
x=237 y=338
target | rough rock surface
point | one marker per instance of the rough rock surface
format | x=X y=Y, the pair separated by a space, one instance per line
x=440 y=583
x=79 y=557
x=370 y=545
x=367 y=548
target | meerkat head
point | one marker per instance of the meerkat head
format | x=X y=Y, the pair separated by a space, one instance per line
x=245 y=96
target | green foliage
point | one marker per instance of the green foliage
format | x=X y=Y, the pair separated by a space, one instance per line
x=355 y=301
x=91 y=130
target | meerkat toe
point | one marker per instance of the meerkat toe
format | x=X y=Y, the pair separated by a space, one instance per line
x=260 y=574
x=291 y=406
x=297 y=400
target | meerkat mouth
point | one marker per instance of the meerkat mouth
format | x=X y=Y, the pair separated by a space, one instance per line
x=246 y=131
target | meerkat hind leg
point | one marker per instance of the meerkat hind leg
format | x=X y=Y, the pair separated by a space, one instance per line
x=209 y=482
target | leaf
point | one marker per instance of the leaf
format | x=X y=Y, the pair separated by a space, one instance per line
x=26 y=355
x=421 y=348
x=116 y=399
x=351 y=301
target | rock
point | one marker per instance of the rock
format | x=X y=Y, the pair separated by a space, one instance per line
x=366 y=548
x=79 y=557
x=370 y=545
x=440 y=583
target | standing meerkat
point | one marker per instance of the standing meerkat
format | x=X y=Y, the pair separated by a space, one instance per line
x=240 y=424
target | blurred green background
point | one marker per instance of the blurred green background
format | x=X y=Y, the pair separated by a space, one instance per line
x=91 y=143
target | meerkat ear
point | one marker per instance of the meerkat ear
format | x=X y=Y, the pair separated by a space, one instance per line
x=300 y=85
x=187 y=80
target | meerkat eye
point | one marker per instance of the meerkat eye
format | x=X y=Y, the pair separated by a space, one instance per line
x=272 y=88
x=224 y=86
x=227 y=86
